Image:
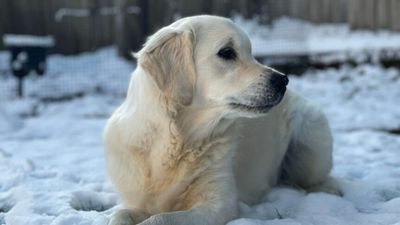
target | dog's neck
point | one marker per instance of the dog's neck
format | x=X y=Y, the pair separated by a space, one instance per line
x=187 y=126
x=202 y=124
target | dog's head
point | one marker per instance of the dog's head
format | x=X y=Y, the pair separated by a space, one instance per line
x=206 y=62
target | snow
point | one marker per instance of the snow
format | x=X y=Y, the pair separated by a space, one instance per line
x=53 y=168
x=369 y=91
x=27 y=40
x=73 y=76
x=104 y=11
x=61 y=13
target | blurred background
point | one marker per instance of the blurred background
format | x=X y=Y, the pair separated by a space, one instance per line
x=285 y=33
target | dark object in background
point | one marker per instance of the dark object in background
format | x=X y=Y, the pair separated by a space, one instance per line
x=28 y=53
x=25 y=59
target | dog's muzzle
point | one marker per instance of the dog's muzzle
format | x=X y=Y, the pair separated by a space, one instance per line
x=269 y=93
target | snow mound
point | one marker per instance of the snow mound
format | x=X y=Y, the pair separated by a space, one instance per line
x=361 y=97
x=8 y=122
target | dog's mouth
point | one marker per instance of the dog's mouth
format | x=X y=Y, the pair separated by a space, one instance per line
x=259 y=106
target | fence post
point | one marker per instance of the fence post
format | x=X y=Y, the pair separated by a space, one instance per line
x=129 y=28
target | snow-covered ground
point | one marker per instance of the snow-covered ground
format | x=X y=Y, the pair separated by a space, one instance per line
x=51 y=155
x=52 y=168
x=333 y=42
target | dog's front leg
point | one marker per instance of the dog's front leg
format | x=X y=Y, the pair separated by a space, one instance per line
x=195 y=216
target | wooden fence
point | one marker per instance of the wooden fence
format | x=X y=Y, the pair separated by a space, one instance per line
x=85 y=25
x=374 y=14
x=85 y=31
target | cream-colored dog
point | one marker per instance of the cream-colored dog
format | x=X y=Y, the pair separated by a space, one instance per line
x=204 y=126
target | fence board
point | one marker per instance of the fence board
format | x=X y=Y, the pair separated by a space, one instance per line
x=395 y=15
x=26 y=17
x=299 y=9
x=353 y=14
x=324 y=7
x=272 y=10
x=3 y=17
x=339 y=9
x=383 y=14
x=104 y=24
x=130 y=29
x=361 y=14
x=369 y=12
x=188 y=8
x=314 y=6
x=224 y=7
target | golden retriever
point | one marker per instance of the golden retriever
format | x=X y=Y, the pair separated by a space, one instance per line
x=204 y=126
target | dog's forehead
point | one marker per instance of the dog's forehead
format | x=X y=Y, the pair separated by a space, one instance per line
x=214 y=30
x=222 y=31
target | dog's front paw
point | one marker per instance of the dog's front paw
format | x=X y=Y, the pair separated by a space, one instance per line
x=175 y=218
x=164 y=219
x=127 y=217
x=330 y=186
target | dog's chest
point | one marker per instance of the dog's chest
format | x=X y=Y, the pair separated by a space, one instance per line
x=166 y=186
x=171 y=174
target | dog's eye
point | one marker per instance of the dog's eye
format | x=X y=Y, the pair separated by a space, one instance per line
x=227 y=53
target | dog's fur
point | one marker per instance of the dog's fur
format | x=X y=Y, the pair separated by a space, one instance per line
x=198 y=132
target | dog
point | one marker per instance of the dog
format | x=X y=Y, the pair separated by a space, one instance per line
x=204 y=126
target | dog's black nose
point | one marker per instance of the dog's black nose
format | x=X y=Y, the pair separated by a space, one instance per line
x=278 y=80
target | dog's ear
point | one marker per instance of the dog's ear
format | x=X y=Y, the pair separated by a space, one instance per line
x=167 y=56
